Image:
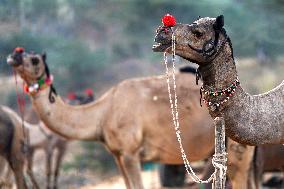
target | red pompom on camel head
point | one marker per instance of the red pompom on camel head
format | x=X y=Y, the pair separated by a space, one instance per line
x=19 y=50
x=169 y=20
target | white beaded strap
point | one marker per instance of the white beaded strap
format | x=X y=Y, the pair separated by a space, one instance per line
x=218 y=159
x=174 y=111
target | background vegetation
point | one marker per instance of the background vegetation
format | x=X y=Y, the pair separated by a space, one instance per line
x=85 y=38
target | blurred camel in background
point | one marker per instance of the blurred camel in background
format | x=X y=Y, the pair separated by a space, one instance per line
x=13 y=147
x=41 y=138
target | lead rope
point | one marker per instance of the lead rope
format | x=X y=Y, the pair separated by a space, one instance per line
x=21 y=106
x=217 y=158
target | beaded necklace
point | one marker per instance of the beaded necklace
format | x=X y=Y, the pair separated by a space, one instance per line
x=38 y=86
x=226 y=92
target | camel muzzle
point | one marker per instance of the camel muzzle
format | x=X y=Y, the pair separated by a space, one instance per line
x=15 y=59
x=163 y=39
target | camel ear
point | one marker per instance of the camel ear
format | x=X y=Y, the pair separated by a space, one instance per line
x=43 y=55
x=219 y=23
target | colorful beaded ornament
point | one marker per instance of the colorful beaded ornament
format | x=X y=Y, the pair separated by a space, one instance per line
x=38 y=86
x=227 y=92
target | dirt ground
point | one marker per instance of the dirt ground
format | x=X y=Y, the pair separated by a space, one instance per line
x=150 y=181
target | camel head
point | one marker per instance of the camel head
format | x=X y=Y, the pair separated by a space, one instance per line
x=198 y=42
x=30 y=66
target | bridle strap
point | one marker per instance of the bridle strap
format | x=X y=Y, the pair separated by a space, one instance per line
x=213 y=49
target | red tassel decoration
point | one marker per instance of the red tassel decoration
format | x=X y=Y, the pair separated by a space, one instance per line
x=169 y=20
x=19 y=49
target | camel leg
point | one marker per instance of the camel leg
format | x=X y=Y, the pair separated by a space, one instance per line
x=48 y=167
x=240 y=165
x=17 y=167
x=8 y=177
x=60 y=155
x=30 y=168
x=130 y=169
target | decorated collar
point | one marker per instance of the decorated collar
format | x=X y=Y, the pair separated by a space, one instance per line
x=226 y=93
x=40 y=85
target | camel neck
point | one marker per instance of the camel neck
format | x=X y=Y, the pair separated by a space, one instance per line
x=252 y=120
x=218 y=75
x=81 y=122
x=221 y=72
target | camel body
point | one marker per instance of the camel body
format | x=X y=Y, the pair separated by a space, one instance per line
x=255 y=111
x=145 y=129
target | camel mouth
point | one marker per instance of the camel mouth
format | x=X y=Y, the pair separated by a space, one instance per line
x=159 y=47
x=14 y=59
x=12 y=62
x=163 y=39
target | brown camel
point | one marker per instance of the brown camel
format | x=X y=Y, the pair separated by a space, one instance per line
x=268 y=159
x=132 y=119
x=13 y=147
x=253 y=120
x=249 y=119
x=42 y=138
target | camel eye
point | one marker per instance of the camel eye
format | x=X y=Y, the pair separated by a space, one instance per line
x=197 y=33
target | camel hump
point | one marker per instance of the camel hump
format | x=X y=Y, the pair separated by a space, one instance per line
x=188 y=69
x=6 y=132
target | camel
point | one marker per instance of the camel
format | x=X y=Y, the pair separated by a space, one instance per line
x=12 y=147
x=268 y=159
x=249 y=119
x=132 y=119
x=40 y=138
x=252 y=120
